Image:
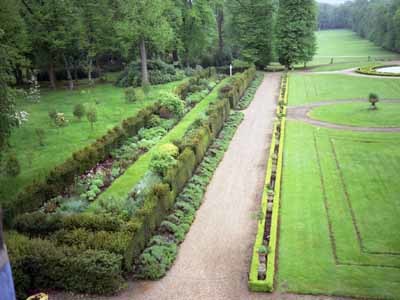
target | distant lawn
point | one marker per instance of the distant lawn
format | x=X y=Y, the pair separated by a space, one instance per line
x=340 y=213
x=36 y=161
x=345 y=66
x=359 y=114
x=346 y=46
x=312 y=88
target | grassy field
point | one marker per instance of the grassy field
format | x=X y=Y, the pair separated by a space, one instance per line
x=36 y=160
x=312 y=88
x=359 y=114
x=339 y=213
x=347 y=50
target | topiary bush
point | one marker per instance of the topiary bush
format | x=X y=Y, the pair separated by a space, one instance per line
x=79 y=111
x=171 y=106
x=134 y=94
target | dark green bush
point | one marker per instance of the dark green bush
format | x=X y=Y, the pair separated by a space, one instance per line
x=79 y=111
x=39 y=264
x=134 y=94
x=12 y=167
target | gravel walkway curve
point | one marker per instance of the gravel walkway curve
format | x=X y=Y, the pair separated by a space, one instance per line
x=301 y=113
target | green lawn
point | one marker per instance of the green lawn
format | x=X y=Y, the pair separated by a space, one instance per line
x=35 y=160
x=339 y=214
x=359 y=114
x=122 y=185
x=345 y=46
x=312 y=88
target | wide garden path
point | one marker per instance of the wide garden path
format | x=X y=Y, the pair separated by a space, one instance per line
x=301 y=113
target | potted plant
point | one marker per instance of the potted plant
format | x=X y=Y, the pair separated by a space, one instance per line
x=373 y=99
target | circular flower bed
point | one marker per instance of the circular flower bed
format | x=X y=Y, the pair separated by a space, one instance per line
x=375 y=70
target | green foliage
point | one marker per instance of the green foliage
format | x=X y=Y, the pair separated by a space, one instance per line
x=252 y=30
x=161 y=162
x=11 y=165
x=134 y=94
x=250 y=92
x=170 y=104
x=40 y=264
x=40 y=133
x=296 y=23
x=79 y=111
x=91 y=115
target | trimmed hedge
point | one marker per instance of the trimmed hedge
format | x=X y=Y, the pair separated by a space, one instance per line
x=238 y=85
x=267 y=284
x=40 y=264
x=62 y=176
x=250 y=92
x=371 y=70
x=153 y=262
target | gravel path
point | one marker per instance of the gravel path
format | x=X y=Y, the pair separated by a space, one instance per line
x=301 y=113
x=214 y=260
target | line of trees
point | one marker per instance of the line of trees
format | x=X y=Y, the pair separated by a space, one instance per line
x=376 y=20
x=71 y=39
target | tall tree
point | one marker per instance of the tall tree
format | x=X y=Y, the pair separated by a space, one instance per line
x=144 y=22
x=54 y=31
x=198 y=29
x=296 y=23
x=97 y=31
x=13 y=45
x=252 y=22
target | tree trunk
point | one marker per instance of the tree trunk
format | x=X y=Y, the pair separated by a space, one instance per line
x=52 y=74
x=220 y=27
x=76 y=66
x=175 y=56
x=143 y=58
x=69 y=75
x=18 y=75
x=90 y=70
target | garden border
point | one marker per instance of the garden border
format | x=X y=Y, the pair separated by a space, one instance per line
x=371 y=70
x=267 y=284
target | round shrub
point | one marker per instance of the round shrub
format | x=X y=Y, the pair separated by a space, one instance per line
x=79 y=111
x=12 y=167
x=171 y=105
x=134 y=94
x=169 y=149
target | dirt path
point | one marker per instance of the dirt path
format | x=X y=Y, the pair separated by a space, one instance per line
x=301 y=113
x=214 y=259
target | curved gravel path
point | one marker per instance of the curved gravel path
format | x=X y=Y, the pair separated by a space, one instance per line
x=352 y=72
x=301 y=113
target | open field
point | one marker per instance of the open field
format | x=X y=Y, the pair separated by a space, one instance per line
x=359 y=114
x=305 y=88
x=339 y=213
x=347 y=50
x=59 y=144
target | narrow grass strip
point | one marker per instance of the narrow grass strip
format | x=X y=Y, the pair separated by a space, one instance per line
x=192 y=194
x=121 y=187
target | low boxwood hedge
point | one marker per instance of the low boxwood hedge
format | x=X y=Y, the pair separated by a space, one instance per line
x=372 y=70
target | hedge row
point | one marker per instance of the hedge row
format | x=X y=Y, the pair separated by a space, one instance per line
x=239 y=83
x=38 y=263
x=250 y=92
x=183 y=89
x=161 y=251
x=371 y=70
x=266 y=284
x=104 y=242
x=62 y=176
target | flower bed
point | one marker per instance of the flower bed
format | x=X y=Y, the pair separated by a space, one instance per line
x=372 y=70
x=262 y=270
x=116 y=232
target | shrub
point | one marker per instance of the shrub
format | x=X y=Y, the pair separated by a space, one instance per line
x=39 y=264
x=79 y=111
x=52 y=114
x=373 y=99
x=40 y=133
x=12 y=167
x=156 y=260
x=161 y=162
x=91 y=115
x=171 y=105
x=134 y=94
